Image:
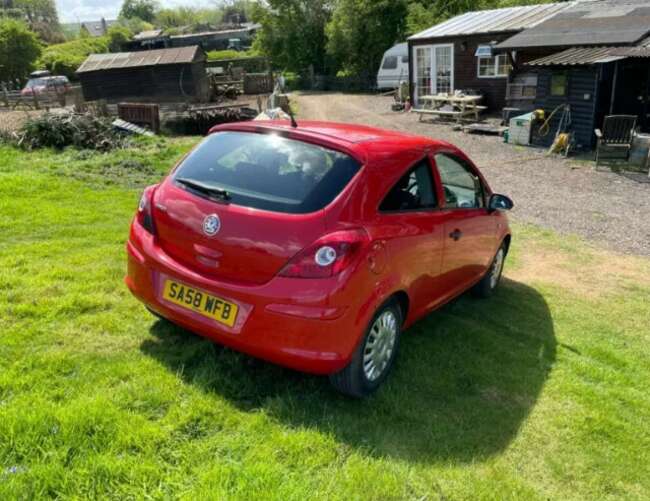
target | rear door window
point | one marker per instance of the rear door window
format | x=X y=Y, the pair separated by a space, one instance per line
x=414 y=191
x=270 y=172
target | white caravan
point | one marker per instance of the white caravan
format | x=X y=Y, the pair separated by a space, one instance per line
x=394 y=67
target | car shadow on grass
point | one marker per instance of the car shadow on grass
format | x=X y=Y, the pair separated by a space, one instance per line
x=467 y=377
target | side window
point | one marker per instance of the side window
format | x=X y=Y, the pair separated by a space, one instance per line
x=463 y=189
x=558 y=84
x=414 y=191
x=390 y=63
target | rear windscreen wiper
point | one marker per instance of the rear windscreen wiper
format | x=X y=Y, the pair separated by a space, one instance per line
x=211 y=191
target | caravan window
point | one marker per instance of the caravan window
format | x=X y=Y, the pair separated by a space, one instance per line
x=390 y=63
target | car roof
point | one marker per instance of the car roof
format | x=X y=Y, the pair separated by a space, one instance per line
x=361 y=141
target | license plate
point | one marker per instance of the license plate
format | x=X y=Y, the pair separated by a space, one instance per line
x=201 y=302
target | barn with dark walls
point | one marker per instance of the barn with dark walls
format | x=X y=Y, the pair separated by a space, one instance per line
x=458 y=54
x=176 y=74
x=597 y=63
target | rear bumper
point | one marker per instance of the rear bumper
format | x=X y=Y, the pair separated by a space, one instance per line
x=308 y=325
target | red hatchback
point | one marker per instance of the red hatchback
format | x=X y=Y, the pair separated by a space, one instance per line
x=314 y=246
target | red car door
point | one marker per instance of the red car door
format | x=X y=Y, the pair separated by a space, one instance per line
x=411 y=225
x=469 y=233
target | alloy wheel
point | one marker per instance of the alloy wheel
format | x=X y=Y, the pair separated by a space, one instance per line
x=380 y=345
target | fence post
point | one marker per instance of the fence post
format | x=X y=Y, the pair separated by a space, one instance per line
x=5 y=94
x=34 y=95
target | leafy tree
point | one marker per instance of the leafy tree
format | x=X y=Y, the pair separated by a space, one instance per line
x=117 y=37
x=293 y=33
x=65 y=58
x=40 y=15
x=141 y=9
x=360 y=31
x=19 y=49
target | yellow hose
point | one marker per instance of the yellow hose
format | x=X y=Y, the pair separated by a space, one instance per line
x=547 y=124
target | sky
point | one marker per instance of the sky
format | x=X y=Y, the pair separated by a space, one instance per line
x=71 y=11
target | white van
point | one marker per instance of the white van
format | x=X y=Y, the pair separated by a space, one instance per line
x=394 y=67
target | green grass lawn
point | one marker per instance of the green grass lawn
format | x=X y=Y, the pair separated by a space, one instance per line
x=538 y=393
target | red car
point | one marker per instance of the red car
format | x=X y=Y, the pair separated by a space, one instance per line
x=315 y=246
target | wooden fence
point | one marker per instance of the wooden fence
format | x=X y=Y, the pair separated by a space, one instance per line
x=14 y=100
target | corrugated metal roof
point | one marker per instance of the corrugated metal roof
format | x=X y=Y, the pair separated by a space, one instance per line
x=143 y=35
x=596 y=22
x=642 y=49
x=578 y=56
x=99 y=62
x=493 y=21
x=246 y=28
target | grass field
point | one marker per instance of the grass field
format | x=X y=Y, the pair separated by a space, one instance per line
x=538 y=393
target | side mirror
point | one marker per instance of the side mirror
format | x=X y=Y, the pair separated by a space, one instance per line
x=500 y=202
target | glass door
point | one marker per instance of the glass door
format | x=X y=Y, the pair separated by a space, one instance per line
x=434 y=70
x=423 y=66
x=444 y=67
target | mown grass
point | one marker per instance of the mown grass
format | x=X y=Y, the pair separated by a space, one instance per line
x=538 y=393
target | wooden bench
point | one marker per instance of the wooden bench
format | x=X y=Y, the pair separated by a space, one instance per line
x=469 y=110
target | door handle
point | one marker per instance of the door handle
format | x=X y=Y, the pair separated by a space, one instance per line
x=456 y=234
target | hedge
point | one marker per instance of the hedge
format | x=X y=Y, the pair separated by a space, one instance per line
x=65 y=58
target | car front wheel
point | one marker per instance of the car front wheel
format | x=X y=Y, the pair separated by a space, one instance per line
x=375 y=355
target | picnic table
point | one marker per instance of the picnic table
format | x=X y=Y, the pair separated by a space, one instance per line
x=452 y=105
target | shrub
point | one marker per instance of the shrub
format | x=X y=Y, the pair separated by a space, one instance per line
x=217 y=55
x=65 y=58
x=117 y=37
x=61 y=130
x=19 y=49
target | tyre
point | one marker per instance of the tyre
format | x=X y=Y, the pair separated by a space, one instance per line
x=488 y=284
x=375 y=355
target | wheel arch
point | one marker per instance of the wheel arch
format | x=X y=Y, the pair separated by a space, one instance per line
x=506 y=241
x=403 y=301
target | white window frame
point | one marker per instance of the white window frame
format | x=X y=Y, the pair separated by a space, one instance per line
x=496 y=66
x=433 y=47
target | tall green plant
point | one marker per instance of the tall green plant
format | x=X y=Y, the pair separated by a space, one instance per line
x=19 y=49
x=293 y=33
x=360 y=31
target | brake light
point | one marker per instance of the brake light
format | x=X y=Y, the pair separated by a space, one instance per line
x=145 y=212
x=328 y=256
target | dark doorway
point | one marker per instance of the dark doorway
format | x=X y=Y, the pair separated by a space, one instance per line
x=633 y=91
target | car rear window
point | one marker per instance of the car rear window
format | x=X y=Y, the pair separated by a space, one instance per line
x=267 y=171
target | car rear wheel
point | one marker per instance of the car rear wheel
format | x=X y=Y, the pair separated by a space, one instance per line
x=489 y=283
x=375 y=355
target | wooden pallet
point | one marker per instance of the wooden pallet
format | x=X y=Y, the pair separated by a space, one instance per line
x=498 y=130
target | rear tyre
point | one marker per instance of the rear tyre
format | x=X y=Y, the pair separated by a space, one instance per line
x=488 y=284
x=375 y=355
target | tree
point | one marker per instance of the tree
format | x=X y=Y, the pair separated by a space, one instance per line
x=140 y=9
x=360 y=31
x=41 y=17
x=19 y=49
x=293 y=33
x=117 y=37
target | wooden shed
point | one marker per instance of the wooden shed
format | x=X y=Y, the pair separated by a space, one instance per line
x=597 y=63
x=176 y=74
x=458 y=54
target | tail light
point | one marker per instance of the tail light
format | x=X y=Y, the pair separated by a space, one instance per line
x=145 y=212
x=328 y=256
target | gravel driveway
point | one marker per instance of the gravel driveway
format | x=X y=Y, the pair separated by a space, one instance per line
x=564 y=195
